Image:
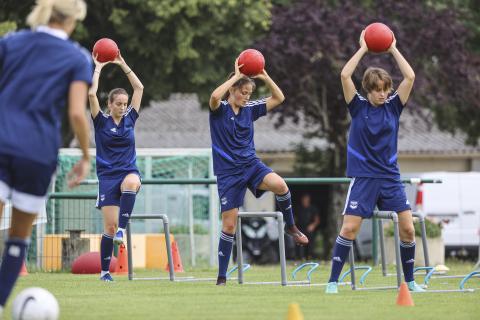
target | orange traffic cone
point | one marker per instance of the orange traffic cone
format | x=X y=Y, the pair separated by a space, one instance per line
x=177 y=261
x=24 y=271
x=294 y=312
x=122 y=261
x=404 y=297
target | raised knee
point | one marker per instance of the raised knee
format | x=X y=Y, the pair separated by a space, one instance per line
x=281 y=188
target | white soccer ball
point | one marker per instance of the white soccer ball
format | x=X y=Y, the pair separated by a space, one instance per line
x=35 y=303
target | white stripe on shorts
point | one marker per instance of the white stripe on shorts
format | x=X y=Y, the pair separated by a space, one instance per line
x=348 y=195
x=28 y=202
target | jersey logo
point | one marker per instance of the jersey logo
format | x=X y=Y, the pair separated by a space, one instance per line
x=232 y=118
x=354 y=204
x=114 y=130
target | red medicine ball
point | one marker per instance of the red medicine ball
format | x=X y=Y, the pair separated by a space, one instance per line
x=253 y=62
x=378 y=37
x=105 y=49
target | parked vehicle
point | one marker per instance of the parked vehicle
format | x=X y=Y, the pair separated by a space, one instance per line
x=260 y=241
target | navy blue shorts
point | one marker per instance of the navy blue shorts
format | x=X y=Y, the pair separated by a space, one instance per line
x=366 y=193
x=232 y=188
x=25 y=182
x=110 y=191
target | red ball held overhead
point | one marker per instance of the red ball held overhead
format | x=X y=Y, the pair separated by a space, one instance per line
x=105 y=49
x=253 y=62
x=378 y=37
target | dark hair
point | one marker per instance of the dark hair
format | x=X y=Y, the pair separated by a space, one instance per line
x=240 y=83
x=372 y=76
x=115 y=92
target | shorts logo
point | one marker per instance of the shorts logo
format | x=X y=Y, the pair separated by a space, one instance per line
x=220 y=253
x=224 y=200
x=354 y=204
x=125 y=215
x=14 y=251
x=407 y=202
x=337 y=259
x=102 y=197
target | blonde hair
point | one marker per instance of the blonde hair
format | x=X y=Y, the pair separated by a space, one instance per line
x=372 y=76
x=46 y=11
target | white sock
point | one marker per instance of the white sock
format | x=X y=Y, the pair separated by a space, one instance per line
x=1 y=312
x=103 y=273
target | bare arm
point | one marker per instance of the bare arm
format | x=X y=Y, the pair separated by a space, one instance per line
x=277 y=96
x=406 y=85
x=92 y=92
x=347 y=71
x=134 y=81
x=220 y=91
x=77 y=101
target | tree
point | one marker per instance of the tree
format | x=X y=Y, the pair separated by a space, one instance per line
x=173 y=45
x=310 y=41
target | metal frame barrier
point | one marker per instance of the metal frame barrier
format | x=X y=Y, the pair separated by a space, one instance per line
x=166 y=229
x=381 y=215
x=421 y=220
x=281 y=244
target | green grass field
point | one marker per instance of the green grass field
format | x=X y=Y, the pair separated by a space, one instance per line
x=85 y=297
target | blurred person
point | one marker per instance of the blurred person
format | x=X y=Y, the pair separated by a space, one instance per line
x=235 y=162
x=308 y=220
x=118 y=175
x=372 y=159
x=42 y=71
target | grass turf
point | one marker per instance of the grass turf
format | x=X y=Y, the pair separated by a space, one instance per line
x=85 y=297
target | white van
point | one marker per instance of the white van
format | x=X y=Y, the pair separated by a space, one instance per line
x=455 y=202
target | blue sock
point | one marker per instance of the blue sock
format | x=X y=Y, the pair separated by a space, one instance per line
x=224 y=251
x=13 y=257
x=407 y=252
x=106 y=249
x=340 y=253
x=285 y=204
x=127 y=201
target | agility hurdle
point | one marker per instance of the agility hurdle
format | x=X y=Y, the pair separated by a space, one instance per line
x=281 y=246
x=166 y=230
x=391 y=215
x=421 y=220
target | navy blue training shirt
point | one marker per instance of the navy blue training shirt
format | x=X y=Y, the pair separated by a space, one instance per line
x=232 y=136
x=36 y=71
x=373 y=136
x=115 y=144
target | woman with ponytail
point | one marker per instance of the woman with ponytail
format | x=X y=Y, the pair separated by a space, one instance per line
x=118 y=175
x=235 y=162
x=41 y=72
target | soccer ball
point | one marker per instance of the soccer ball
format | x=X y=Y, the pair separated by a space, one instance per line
x=35 y=303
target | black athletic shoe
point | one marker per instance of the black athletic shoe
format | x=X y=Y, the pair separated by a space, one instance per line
x=221 y=281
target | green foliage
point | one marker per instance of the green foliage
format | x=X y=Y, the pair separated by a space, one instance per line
x=433 y=230
x=6 y=27
x=175 y=45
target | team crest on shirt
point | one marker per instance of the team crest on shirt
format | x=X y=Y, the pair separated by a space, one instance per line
x=224 y=200
x=114 y=130
x=354 y=204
